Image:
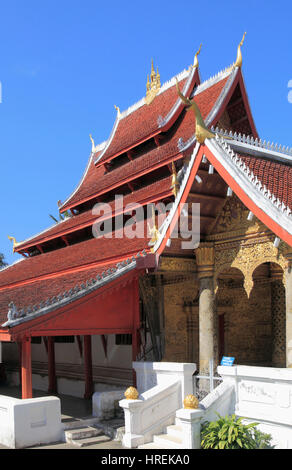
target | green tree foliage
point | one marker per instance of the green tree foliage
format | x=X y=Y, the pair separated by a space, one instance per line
x=230 y=433
x=2 y=262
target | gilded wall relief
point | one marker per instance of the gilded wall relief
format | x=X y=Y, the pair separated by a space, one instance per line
x=243 y=244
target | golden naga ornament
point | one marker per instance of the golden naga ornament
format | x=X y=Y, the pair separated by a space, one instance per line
x=12 y=239
x=202 y=132
x=191 y=402
x=118 y=111
x=153 y=85
x=196 y=62
x=131 y=393
x=238 y=62
x=93 y=147
x=154 y=232
x=174 y=181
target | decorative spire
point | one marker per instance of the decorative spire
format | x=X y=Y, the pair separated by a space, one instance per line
x=12 y=239
x=154 y=232
x=174 y=181
x=93 y=145
x=196 y=62
x=238 y=62
x=152 y=86
x=118 y=111
x=202 y=132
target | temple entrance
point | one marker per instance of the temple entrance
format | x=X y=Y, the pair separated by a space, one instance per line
x=252 y=328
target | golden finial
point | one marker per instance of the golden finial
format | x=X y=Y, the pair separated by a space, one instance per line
x=118 y=110
x=12 y=239
x=152 y=69
x=152 y=86
x=147 y=84
x=191 y=402
x=174 y=181
x=238 y=62
x=154 y=232
x=131 y=393
x=93 y=145
x=158 y=79
x=196 y=62
x=202 y=132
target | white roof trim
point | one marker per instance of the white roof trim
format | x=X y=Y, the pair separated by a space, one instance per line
x=166 y=223
x=253 y=187
x=98 y=147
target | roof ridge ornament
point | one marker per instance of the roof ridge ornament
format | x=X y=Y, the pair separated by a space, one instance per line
x=174 y=181
x=93 y=146
x=152 y=86
x=196 y=62
x=12 y=239
x=118 y=111
x=202 y=132
x=238 y=62
x=154 y=232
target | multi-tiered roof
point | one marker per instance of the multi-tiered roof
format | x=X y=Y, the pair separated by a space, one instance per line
x=66 y=263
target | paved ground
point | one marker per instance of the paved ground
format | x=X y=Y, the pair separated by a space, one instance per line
x=71 y=408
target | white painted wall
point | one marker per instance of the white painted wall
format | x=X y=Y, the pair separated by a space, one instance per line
x=264 y=395
x=25 y=423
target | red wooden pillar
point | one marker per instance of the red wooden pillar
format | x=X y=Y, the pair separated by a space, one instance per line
x=88 y=367
x=26 y=378
x=52 y=386
x=136 y=325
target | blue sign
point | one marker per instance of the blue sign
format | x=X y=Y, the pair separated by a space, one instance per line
x=227 y=361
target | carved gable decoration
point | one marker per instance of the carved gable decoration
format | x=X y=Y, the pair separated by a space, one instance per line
x=234 y=218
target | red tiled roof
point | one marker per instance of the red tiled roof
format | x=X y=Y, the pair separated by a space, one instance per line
x=277 y=177
x=75 y=257
x=87 y=218
x=34 y=293
x=142 y=123
x=96 y=182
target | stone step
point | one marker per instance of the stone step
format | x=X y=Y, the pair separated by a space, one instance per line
x=81 y=433
x=79 y=422
x=150 y=445
x=114 y=428
x=90 y=441
x=174 y=430
x=166 y=441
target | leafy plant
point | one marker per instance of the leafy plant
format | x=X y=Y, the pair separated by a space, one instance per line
x=230 y=433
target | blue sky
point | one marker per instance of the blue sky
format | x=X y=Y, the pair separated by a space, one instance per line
x=65 y=64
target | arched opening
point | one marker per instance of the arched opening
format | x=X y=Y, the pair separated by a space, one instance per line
x=268 y=294
x=230 y=290
x=252 y=328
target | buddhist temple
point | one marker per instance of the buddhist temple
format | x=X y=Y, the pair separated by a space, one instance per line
x=91 y=294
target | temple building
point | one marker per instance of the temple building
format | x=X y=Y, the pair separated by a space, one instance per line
x=91 y=294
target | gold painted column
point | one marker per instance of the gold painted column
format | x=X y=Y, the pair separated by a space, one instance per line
x=288 y=278
x=207 y=333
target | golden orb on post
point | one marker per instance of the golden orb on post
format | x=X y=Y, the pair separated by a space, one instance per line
x=131 y=393
x=191 y=402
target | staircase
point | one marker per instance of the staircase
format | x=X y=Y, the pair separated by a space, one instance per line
x=90 y=431
x=172 y=439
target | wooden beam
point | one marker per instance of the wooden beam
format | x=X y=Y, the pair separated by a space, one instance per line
x=88 y=367
x=52 y=386
x=238 y=121
x=206 y=197
x=235 y=103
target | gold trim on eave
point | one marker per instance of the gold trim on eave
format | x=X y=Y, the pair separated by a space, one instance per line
x=12 y=239
x=238 y=62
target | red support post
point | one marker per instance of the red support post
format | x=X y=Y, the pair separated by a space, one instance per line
x=136 y=325
x=88 y=367
x=52 y=386
x=26 y=378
